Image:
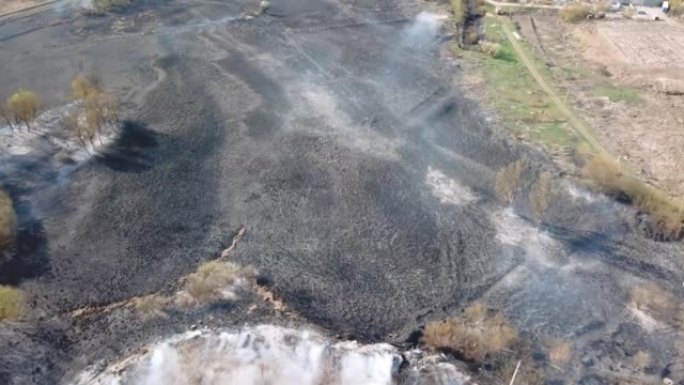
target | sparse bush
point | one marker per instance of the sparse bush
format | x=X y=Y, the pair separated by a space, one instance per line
x=575 y=12
x=676 y=8
x=23 y=107
x=490 y=48
x=654 y=300
x=603 y=170
x=641 y=360
x=665 y=218
x=8 y=222
x=474 y=335
x=560 y=352
x=99 y=109
x=629 y=12
x=541 y=195
x=508 y=179
x=12 y=305
x=151 y=306
x=212 y=277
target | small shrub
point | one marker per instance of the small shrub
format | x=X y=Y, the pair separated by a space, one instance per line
x=151 y=306
x=212 y=277
x=474 y=335
x=602 y=170
x=654 y=300
x=12 y=305
x=23 y=107
x=8 y=222
x=459 y=8
x=629 y=12
x=575 y=12
x=541 y=195
x=508 y=179
x=560 y=352
x=641 y=360
x=490 y=48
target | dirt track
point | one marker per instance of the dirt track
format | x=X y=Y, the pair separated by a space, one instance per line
x=364 y=179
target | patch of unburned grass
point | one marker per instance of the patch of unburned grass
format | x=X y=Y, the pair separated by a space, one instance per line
x=151 y=306
x=560 y=352
x=514 y=93
x=617 y=94
x=8 y=222
x=12 y=304
x=211 y=278
x=508 y=179
x=665 y=217
x=476 y=333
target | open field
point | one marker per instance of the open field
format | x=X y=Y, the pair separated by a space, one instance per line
x=624 y=77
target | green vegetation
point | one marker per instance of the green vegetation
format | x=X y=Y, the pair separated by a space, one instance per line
x=666 y=218
x=508 y=179
x=12 y=304
x=515 y=94
x=474 y=335
x=617 y=94
x=8 y=222
x=460 y=9
x=575 y=12
x=22 y=107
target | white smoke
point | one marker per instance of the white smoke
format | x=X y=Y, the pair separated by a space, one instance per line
x=423 y=31
x=263 y=355
x=447 y=190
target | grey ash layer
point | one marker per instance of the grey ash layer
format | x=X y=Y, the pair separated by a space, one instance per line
x=318 y=126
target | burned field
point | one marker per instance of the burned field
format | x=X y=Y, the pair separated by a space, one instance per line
x=336 y=134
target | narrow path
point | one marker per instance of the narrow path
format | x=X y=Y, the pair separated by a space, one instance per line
x=521 y=5
x=579 y=126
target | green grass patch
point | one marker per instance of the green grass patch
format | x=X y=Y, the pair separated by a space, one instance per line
x=515 y=94
x=618 y=94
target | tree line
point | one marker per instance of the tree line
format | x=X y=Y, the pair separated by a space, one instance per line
x=96 y=108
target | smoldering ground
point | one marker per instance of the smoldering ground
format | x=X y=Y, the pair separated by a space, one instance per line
x=339 y=137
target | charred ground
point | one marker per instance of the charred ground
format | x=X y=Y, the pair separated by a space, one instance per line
x=318 y=126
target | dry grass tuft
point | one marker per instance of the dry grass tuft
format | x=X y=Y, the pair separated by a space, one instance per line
x=508 y=179
x=665 y=218
x=654 y=300
x=213 y=277
x=603 y=170
x=560 y=352
x=12 y=303
x=477 y=333
x=8 y=222
x=641 y=360
x=574 y=13
x=151 y=306
x=541 y=195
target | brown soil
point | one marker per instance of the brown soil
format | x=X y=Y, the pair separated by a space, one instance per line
x=7 y=6
x=645 y=133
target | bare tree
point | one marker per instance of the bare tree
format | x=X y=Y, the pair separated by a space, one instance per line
x=23 y=107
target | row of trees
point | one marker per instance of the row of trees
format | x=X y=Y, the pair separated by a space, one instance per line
x=96 y=109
